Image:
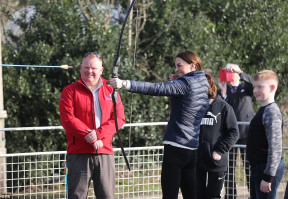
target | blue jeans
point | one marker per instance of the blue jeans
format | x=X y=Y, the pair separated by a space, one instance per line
x=286 y=192
x=256 y=178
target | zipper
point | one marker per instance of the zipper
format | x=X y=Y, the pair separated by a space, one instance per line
x=93 y=115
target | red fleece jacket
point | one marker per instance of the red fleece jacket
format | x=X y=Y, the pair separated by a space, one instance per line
x=77 y=114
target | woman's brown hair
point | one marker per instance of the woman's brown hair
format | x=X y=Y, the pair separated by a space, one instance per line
x=212 y=86
x=191 y=57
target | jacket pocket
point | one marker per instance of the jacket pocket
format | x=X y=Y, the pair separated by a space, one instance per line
x=223 y=162
x=206 y=154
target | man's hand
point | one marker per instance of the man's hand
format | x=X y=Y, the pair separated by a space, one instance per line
x=216 y=156
x=265 y=186
x=98 y=144
x=91 y=137
x=223 y=88
x=234 y=68
x=116 y=83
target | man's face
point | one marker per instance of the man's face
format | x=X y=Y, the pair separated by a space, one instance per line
x=182 y=67
x=91 y=69
x=235 y=79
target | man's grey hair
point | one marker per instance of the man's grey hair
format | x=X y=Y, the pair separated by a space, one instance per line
x=234 y=66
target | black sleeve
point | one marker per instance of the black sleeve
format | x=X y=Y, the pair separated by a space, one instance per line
x=230 y=131
x=248 y=83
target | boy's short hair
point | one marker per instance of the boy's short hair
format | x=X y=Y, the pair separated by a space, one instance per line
x=266 y=75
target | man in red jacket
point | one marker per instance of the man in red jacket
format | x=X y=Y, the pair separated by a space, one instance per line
x=87 y=115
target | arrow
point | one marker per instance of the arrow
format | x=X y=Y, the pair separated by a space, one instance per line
x=37 y=66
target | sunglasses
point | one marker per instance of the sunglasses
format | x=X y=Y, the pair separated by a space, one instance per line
x=94 y=53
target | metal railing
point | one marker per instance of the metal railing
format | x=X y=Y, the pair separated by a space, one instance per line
x=41 y=174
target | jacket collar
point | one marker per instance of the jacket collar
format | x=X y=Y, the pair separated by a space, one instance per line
x=104 y=81
x=195 y=73
x=217 y=99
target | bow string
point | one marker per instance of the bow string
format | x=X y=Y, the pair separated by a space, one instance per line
x=114 y=75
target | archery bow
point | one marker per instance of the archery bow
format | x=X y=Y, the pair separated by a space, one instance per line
x=114 y=75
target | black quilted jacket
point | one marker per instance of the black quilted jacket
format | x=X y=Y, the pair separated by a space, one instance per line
x=188 y=100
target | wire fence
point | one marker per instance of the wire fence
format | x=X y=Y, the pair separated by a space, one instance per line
x=41 y=174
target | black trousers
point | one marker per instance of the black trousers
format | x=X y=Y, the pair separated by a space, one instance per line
x=178 y=171
x=209 y=184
